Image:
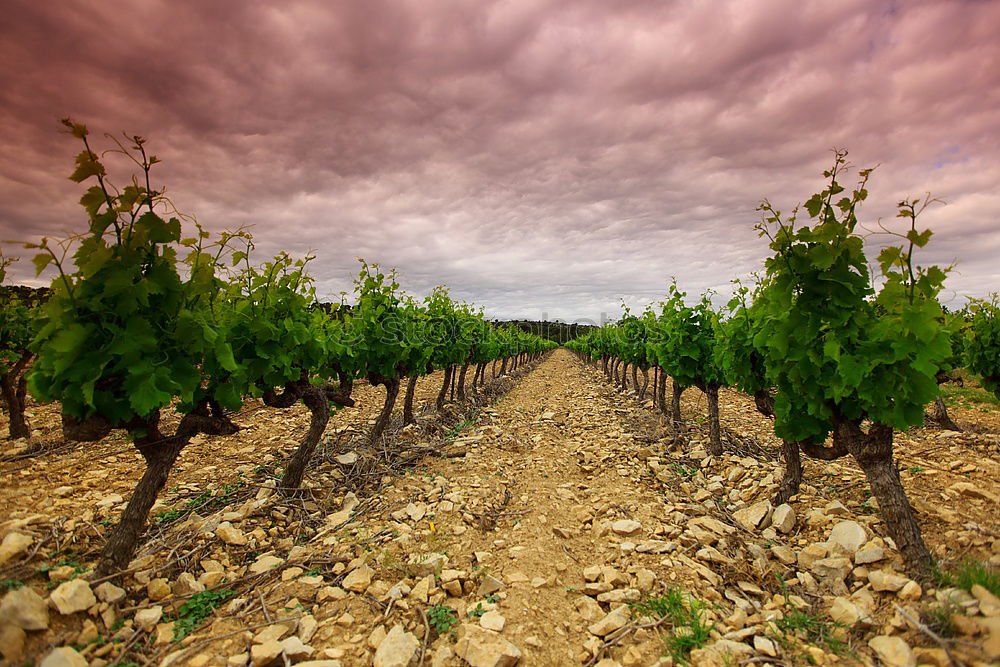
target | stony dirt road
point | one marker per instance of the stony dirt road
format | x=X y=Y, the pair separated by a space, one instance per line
x=525 y=540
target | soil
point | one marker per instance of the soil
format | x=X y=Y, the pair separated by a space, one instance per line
x=527 y=488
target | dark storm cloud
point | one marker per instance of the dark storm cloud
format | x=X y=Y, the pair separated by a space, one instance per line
x=539 y=157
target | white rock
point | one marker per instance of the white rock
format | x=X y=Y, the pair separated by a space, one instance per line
x=359 y=579
x=108 y=592
x=349 y=458
x=483 y=648
x=147 y=618
x=13 y=545
x=886 y=581
x=626 y=527
x=848 y=534
x=844 y=611
x=765 y=646
x=265 y=654
x=25 y=609
x=73 y=596
x=783 y=519
x=893 y=651
x=756 y=516
x=397 y=649
x=265 y=563
x=64 y=656
x=230 y=534
x=492 y=620
x=615 y=619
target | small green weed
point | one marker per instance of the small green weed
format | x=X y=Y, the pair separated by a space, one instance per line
x=807 y=626
x=10 y=584
x=198 y=607
x=685 y=615
x=441 y=619
x=477 y=611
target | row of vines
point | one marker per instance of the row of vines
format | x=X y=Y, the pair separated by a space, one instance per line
x=838 y=355
x=143 y=318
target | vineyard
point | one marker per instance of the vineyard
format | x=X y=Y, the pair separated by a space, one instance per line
x=206 y=467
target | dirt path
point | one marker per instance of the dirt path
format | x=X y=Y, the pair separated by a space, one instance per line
x=545 y=514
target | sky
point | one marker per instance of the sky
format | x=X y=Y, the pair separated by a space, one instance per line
x=545 y=159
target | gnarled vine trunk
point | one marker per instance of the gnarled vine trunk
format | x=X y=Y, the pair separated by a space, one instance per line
x=14 y=391
x=461 y=381
x=873 y=452
x=160 y=452
x=714 y=428
x=791 y=479
x=443 y=394
x=411 y=386
x=675 y=404
x=645 y=384
x=661 y=393
x=391 y=392
x=315 y=399
x=941 y=417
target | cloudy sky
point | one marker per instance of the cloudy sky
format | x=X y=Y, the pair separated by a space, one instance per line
x=544 y=158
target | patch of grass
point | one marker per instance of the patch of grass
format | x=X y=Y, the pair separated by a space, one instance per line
x=968 y=574
x=813 y=629
x=684 y=615
x=10 y=584
x=970 y=397
x=938 y=618
x=198 y=607
x=683 y=470
x=805 y=625
x=442 y=618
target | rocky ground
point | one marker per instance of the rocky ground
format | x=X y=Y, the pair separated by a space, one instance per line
x=560 y=524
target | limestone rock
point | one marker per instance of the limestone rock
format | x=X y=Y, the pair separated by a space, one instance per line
x=108 y=592
x=158 y=589
x=721 y=653
x=756 y=516
x=64 y=656
x=831 y=568
x=765 y=646
x=626 y=527
x=398 y=649
x=187 y=585
x=295 y=648
x=483 y=648
x=783 y=519
x=489 y=584
x=230 y=534
x=265 y=654
x=872 y=552
x=849 y=535
x=359 y=579
x=24 y=608
x=882 y=580
x=893 y=651
x=844 y=611
x=812 y=553
x=12 y=640
x=265 y=563
x=430 y=564
x=492 y=620
x=13 y=545
x=989 y=604
x=147 y=618
x=73 y=596
x=615 y=619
